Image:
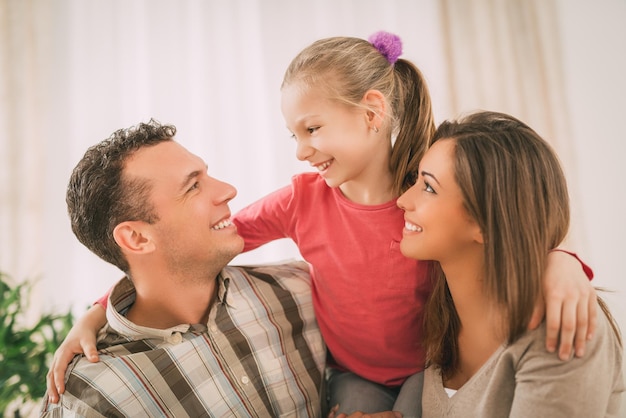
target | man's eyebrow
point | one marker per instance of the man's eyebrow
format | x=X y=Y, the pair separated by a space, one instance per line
x=431 y=175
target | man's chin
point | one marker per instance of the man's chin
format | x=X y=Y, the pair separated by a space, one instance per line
x=235 y=249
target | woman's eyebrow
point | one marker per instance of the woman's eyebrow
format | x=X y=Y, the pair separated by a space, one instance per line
x=432 y=176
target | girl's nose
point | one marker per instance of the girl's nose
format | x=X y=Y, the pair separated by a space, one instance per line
x=304 y=150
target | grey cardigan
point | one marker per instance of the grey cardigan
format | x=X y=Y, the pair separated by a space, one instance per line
x=524 y=380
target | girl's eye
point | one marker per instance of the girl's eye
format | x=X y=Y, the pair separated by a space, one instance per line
x=312 y=129
x=428 y=188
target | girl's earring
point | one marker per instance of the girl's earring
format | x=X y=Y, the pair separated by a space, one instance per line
x=375 y=128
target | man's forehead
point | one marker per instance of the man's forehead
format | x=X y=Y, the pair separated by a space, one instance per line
x=165 y=159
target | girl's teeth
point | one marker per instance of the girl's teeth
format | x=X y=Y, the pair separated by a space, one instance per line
x=223 y=224
x=324 y=166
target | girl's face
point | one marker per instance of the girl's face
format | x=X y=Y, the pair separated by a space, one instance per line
x=437 y=225
x=336 y=139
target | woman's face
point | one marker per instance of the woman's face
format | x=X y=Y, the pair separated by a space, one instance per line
x=437 y=225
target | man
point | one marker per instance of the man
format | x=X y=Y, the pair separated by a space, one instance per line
x=187 y=335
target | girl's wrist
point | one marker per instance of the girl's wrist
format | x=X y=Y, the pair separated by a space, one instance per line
x=588 y=271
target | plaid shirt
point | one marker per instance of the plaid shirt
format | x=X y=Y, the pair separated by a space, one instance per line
x=260 y=355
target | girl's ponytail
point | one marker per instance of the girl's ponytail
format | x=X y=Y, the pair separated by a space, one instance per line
x=415 y=127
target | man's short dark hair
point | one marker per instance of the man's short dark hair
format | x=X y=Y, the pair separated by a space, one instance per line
x=99 y=197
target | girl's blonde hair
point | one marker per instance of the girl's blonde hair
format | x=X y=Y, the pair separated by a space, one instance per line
x=345 y=68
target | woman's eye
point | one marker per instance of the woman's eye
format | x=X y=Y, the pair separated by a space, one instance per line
x=428 y=188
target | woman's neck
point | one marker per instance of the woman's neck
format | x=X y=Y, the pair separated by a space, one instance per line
x=481 y=320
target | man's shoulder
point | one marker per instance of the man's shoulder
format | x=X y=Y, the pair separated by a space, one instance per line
x=293 y=274
x=279 y=268
x=86 y=386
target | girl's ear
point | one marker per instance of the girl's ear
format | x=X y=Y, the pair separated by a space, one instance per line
x=134 y=237
x=375 y=102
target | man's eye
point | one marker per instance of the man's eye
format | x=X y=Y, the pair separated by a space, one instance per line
x=194 y=186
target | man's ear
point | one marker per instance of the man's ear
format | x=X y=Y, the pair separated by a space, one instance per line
x=375 y=102
x=134 y=237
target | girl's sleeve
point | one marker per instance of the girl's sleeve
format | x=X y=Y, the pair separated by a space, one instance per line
x=588 y=271
x=104 y=300
x=267 y=219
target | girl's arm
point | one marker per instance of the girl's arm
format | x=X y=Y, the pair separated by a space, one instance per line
x=570 y=307
x=81 y=339
x=268 y=219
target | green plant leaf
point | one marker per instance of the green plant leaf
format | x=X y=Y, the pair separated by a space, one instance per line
x=25 y=351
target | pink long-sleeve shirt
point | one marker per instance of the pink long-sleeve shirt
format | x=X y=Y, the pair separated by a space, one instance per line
x=368 y=298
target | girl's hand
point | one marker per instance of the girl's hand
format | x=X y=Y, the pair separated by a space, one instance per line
x=570 y=305
x=81 y=339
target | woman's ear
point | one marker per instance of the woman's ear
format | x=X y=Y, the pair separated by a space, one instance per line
x=375 y=102
x=133 y=237
x=478 y=234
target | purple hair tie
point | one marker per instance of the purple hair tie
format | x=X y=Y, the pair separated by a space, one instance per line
x=388 y=44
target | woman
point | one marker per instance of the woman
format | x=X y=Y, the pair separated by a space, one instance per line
x=488 y=205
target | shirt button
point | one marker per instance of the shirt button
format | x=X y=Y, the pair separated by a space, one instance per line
x=245 y=380
x=176 y=338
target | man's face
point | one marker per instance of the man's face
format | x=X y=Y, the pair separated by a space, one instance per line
x=194 y=231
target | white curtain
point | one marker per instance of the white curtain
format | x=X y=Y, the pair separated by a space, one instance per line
x=73 y=71
x=507 y=56
x=76 y=70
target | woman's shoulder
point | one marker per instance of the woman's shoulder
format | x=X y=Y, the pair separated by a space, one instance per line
x=605 y=343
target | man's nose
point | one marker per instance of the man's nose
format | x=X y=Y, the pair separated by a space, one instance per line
x=225 y=192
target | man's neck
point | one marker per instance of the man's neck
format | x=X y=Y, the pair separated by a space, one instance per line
x=172 y=302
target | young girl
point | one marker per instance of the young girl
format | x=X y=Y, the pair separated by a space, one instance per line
x=489 y=203
x=363 y=118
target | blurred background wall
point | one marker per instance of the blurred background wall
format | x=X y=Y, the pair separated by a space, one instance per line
x=73 y=71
